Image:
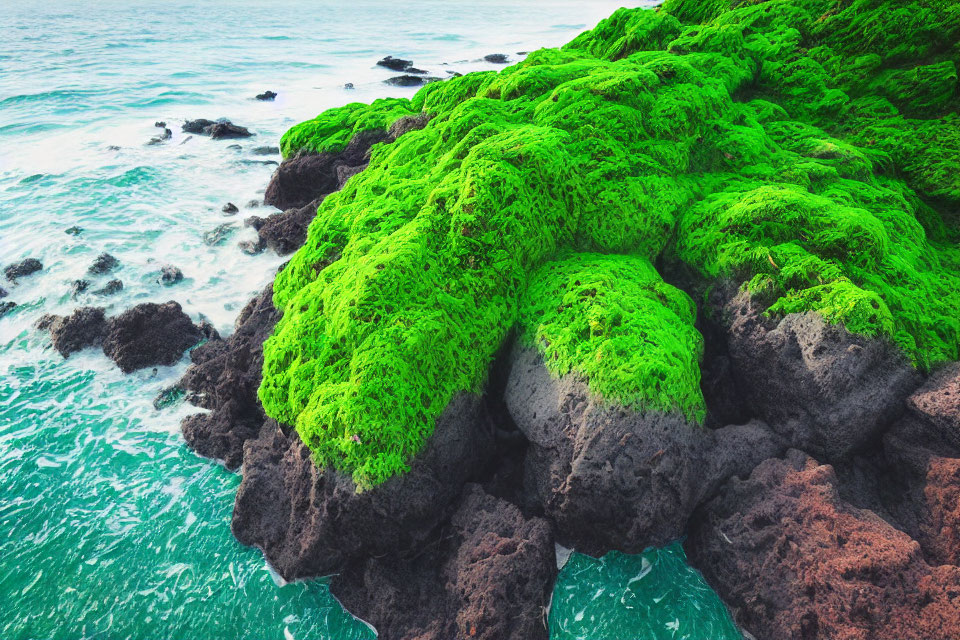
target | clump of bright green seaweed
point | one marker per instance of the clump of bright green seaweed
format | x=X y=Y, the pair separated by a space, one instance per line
x=808 y=148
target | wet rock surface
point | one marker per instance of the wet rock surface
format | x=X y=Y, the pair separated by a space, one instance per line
x=104 y=263
x=216 y=129
x=111 y=288
x=408 y=80
x=148 y=335
x=6 y=307
x=395 y=64
x=267 y=96
x=170 y=274
x=85 y=327
x=21 y=269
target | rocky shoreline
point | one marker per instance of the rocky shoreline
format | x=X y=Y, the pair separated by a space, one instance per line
x=793 y=513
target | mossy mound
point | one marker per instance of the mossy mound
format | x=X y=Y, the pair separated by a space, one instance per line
x=803 y=147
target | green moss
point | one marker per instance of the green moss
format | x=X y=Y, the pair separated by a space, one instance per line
x=801 y=147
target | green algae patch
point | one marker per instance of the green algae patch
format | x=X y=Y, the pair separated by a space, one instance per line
x=612 y=320
x=805 y=148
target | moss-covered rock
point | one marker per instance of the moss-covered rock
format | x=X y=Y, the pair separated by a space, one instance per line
x=802 y=147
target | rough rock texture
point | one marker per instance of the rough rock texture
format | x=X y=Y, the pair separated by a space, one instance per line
x=7 y=306
x=217 y=130
x=3 y=292
x=610 y=478
x=312 y=522
x=937 y=402
x=822 y=388
x=395 y=64
x=109 y=289
x=224 y=378
x=307 y=176
x=285 y=232
x=148 y=335
x=21 y=269
x=85 y=327
x=794 y=560
x=490 y=576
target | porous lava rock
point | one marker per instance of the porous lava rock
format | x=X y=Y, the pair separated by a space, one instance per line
x=824 y=389
x=148 y=335
x=223 y=377
x=794 y=560
x=489 y=576
x=85 y=327
x=611 y=478
x=311 y=522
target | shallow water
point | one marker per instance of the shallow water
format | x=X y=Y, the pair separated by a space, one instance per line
x=111 y=527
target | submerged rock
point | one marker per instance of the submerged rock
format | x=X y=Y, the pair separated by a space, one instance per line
x=219 y=234
x=266 y=95
x=21 y=269
x=170 y=274
x=148 y=335
x=265 y=151
x=85 y=327
x=78 y=286
x=168 y=397
x=221 y=129
x=6 y=307
x=104 y=263
x=3 y=292
x=111 y=288
x=496 y=58
x=410 y=81
x=230 y=208
x=73 y=231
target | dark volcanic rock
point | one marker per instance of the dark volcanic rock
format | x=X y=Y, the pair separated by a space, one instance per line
x=230 y=208
x=822 y=388
x=252 y=247
x=6 y=307
x=610 y=478
x=148 y=335
x=3 y=292
x=104 y=263
x=224 y=377
x=85 y=327
x=111 y=288
x=938 y=402
x=496 y=58
x=490 y=577
x=311 y=522
x=307 y=176
x=395 y=64
x=410 y=81
x=219 y=234
x=22 y=269
x=266 y=95
x=222 y=129
x=170 y=274
x=73 y=231
x=406 y=124
x=285 y=232
x=794 y=560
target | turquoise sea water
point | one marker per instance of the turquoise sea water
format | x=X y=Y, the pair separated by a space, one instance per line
x=109 y=526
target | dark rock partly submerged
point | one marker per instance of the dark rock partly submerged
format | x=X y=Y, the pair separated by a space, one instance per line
x=21 y=269
x=148 y=335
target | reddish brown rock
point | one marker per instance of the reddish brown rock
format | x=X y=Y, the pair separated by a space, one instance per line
x=794 y=560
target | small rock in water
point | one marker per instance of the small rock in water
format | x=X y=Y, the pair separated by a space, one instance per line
x=187 y=139
x=168 y=397
x=455 y=74
x=349 y=86
x=3 y=292
x=235 y=147
x=221 y=129
x=409 y=81
x=78 y=287
x=217 y=235
x=6 y=307
x=22 y=269
x=265 y=151
x=267 y=95
x=160 y=124
x=416 y=71
x=73 y=231
x=113 y=147
x=83 y=328
x=170 y=274
x=252 y=247
x=496 y=58
x=112 y=287
x=230 y=208
x=395 y=64
x=105 y=263
x=253 y=204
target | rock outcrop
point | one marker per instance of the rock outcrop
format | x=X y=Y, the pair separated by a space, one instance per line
x=85 y=327
x=148 y=335
x=21 y=269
